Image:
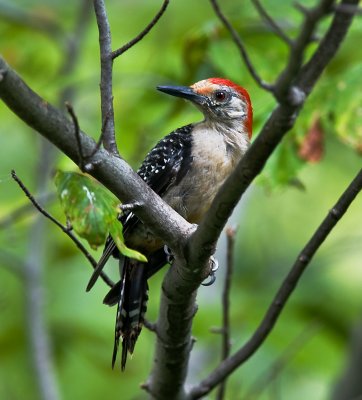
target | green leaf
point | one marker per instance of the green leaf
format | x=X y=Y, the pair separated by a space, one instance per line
x=116 y=231
x=89 y=207
x=92 y=210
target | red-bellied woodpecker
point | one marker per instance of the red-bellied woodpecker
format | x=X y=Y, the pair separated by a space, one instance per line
x=186 y=168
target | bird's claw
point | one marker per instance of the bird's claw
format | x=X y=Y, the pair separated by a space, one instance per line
x=212 y=276
x=170 y=257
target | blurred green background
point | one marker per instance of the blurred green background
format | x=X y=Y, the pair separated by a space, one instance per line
x=308 y=349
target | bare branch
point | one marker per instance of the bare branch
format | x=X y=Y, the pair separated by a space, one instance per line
x=328 y=47
x=279 y=123
x=291 y=71
x=113 y=172
x=283 y=294
x=65 y=229
x=77 y=135
x=142 y=34
x=225 y=330
x=270 y=21
x=105 y=45
x=240 y=46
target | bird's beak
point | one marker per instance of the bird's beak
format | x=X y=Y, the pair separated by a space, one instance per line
x=185 y=92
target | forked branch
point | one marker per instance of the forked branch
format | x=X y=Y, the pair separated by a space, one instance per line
x=283 y=294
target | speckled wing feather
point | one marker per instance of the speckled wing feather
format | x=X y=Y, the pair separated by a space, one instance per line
x=167 y=162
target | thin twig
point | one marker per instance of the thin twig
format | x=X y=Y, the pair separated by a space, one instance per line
x=101 y=137
x=225 y=331
x=71 y=112
x=270 y=21
x=105 y=46
x=241 y=47
x=65 y=229
x=142 y=34
x=283 y=294
x=89 y=166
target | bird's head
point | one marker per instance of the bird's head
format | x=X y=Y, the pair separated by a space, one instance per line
x=220 y=100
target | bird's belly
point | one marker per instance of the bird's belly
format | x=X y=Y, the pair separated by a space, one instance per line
x=193 y=196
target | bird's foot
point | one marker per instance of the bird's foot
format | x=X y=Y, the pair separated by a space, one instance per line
x=170 y=257
x=130 y=206
x=212 y=276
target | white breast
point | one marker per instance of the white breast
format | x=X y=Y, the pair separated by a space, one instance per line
x=214 y=156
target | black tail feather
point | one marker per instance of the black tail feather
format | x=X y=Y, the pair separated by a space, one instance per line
x=131 y=294
x=114 y=295
x=108 y=251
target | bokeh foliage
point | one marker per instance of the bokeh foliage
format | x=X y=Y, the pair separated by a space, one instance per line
x=276 y=217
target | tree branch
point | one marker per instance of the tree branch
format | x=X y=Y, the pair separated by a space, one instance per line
x=239 y=43
x=105 y=45
x=279 y=123
x=225 y=330
x=291 y=71
x=270 y=21
x=113 y=172
x=142 y=34
x=283 y=294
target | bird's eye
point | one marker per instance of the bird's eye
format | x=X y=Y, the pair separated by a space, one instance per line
x=220 y=95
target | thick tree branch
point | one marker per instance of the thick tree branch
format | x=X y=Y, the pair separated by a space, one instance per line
x=142 y=34
x=174 y=341
x=279 y=123
x=110 y=170
x=105 y=45
x=283 y=294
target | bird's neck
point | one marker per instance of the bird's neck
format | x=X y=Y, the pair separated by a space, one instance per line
x=235 y=132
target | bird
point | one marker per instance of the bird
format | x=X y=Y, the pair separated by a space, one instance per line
x=186 y=169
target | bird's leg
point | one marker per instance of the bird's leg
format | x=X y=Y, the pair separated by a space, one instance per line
x=212 y=276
